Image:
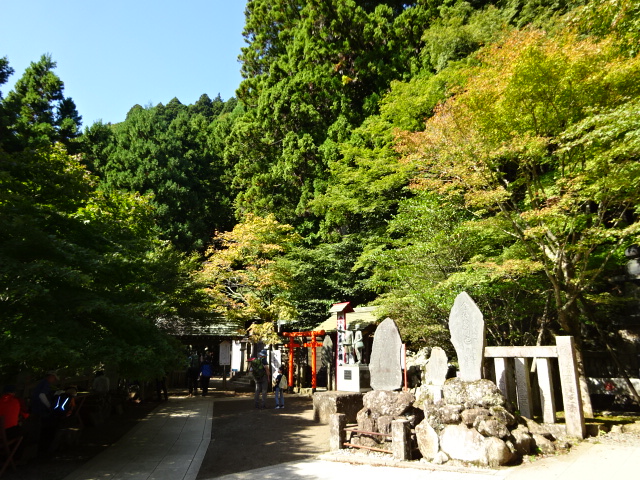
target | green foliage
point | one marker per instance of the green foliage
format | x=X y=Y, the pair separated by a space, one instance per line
x=82 y=274
x=517 y=147
x=36 y=111
x=308 y=66
x=171 y=153
x=246 y=274
x=459 y=32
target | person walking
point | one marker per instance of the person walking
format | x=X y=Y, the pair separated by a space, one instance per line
x=259 y=368
x=280 y=384
x=193 y=372
x=206 y=371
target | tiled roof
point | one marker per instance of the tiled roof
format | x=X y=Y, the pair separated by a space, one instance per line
x=216 y=327
x=359 y=319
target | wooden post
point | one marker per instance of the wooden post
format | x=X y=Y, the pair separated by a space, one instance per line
x=290 y=370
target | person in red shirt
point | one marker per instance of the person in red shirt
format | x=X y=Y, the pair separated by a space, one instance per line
x=12 y=410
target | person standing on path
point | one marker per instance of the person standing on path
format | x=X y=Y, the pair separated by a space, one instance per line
x=193 y=372
x=260 y=370
x=206 y=371
x=280 y=384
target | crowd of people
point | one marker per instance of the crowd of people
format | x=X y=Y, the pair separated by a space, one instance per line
x=38 y=417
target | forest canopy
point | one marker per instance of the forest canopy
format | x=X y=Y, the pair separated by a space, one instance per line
x=379 y=152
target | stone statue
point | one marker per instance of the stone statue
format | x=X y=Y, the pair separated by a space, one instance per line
x=359 y=347
x=348 y=347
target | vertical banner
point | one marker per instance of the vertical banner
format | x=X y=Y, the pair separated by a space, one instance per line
x=341 y=328
x=276 y=363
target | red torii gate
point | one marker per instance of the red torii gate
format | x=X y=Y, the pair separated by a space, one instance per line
x=313 y=344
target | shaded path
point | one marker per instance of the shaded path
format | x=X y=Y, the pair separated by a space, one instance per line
x=244 y=438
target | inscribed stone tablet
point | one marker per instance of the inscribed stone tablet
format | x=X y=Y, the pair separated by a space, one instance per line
x=386 y=365
x=466 y=325
x=437 y=367
x=327 y=354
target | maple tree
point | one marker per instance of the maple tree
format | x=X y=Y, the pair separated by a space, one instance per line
x=541 y=145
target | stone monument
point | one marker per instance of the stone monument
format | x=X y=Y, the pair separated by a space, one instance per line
x=436 y=372
x=466 y=325
x=327 y=357
x=386 y=361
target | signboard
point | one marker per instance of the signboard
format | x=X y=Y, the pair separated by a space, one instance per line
x=341 y=327
x=225 y=353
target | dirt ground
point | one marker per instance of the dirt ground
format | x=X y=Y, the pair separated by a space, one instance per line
x=244 y=438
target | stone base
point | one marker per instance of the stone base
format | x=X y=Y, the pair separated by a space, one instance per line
x=354 y=378
x=326 y=404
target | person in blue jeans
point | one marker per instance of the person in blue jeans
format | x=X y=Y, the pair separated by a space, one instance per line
x=280 y=384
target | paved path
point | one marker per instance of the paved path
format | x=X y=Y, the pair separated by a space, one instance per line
x=171 y=443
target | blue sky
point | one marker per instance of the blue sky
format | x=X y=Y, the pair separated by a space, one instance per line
x=114 y=54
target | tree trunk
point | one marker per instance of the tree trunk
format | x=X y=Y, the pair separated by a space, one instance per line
x=567 y=317
x=587 y=408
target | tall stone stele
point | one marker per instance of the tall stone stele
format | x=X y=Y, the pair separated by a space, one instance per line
x=466 y=325
x=386 y=357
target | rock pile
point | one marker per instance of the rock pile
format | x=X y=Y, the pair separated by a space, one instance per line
x=380 y=408
x=473 y=424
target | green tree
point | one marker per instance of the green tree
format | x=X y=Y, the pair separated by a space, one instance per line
x=83 y=275
x=167 y=152
x=38 y=113
x=514 y=148
x=312 y=69
x=247 y=273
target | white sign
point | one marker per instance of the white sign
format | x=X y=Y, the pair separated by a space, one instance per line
x=225 y=353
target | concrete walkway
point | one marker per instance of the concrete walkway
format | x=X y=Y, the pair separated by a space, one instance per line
x=171 y=443
x=587 y=461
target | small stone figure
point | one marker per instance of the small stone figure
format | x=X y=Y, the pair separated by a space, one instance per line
x=359 y=347
x=348 y=347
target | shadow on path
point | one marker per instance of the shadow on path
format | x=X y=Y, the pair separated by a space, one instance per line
x=244 y=438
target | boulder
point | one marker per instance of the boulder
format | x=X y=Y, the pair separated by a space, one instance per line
x=497 y=452
x=439 y=416
x=441 y=458
x=479 y=393
x=536 y=429
x=366 y=421
x=503 y=415
x=385 y=402
x=469 y=415
x=522 y=440
x=384 y=424
x=428 y=441
x=543 y=444
x=462 y=443
x=490 y=427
